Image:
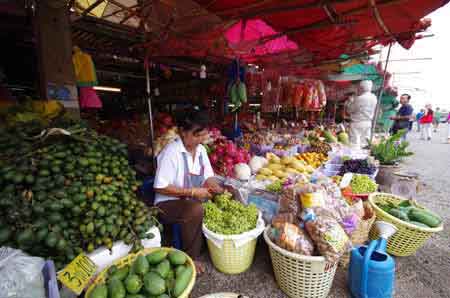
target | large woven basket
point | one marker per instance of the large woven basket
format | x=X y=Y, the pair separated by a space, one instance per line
x=409 y=237
x=129 y=259
x=300 y=276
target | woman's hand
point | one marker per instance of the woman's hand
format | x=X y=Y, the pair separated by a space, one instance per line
x=201 y=193
x=213 y=186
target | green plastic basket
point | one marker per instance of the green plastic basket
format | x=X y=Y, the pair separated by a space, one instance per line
x=409 y=237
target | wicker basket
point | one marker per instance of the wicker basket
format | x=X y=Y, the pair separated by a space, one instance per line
x=230 y=259
x=409 y=237
x=359 y=237
x=129 y=259
x=300 y=276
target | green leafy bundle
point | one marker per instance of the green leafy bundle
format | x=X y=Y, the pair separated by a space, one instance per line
x=391 y=150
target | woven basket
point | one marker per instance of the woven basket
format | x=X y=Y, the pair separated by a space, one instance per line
x=409 y=237
x=230 y=259
x=300 y=276
x=359 y=237
x=129 y=259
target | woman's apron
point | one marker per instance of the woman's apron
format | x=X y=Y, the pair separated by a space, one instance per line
x=191 y=179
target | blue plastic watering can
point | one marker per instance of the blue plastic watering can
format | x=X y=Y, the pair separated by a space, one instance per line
x=372 y=270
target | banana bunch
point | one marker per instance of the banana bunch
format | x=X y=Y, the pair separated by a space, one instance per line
x=279 y=169
x=313 y=159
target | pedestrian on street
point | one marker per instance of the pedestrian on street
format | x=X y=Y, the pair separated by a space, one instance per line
x=403 y=116
x=436 y=119
x=418 y=117
x=426 y=122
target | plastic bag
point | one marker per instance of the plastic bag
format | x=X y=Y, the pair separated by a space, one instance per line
x=293 y=238
x=282 y=218
x=328 y=235
x=20 y=275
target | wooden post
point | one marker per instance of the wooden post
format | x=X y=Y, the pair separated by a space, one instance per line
x=54 y=46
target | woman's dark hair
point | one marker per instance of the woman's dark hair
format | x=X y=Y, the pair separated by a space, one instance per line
x=193 y=119
x=407 y=95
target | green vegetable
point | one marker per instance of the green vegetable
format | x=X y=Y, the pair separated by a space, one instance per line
x=399 y=214
x=154 y=284
x=177 y=257
x=163 y=268
x=179 y=269
x=133 y=283
x=135 y=296
x=120 y=273
x=116 y=289
x=100 y=291
x=141 y=265
x=388 y=151
x=182 y=281
x=425 y=217
x=419 y=224
x=156 y=257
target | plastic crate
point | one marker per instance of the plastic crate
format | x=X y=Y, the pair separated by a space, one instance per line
x=50 y=281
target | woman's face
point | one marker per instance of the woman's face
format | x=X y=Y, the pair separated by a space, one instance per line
x=193 y=138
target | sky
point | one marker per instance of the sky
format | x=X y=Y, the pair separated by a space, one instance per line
x=426 y=80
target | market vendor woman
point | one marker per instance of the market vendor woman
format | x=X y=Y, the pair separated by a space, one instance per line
x=184 y=178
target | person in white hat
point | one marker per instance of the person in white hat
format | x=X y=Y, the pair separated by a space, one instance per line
x=361 y=111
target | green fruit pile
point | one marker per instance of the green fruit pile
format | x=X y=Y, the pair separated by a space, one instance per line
x=227 y=216
x=68 y=194
x=160 y=274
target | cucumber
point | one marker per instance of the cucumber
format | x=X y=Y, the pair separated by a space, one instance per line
x=425 y=217
x=156 y=257
x=399 y=214
x=182 y=281
x=419 y=224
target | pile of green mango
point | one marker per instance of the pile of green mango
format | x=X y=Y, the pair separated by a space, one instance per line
x=62 y=194
x=160 y=274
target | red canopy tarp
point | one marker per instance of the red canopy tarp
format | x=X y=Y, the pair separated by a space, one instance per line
x=292 y=31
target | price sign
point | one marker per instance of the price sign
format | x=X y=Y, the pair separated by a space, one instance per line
x=78 y=273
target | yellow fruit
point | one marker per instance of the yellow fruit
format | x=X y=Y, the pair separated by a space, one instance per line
x=292 y=171
x=273 y=158
x=286 y=160
x=275 y=166
x=273 y=178
x=265 y=172
x=261 y=177
x=280 y=174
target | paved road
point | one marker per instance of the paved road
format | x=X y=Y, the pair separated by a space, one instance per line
x=427 y=274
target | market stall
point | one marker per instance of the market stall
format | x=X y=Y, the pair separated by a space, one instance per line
x=70 y=194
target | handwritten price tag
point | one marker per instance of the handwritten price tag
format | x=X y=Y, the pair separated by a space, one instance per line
x=78 y=273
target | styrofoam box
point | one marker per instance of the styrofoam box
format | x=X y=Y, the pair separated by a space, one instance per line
x=103 y=257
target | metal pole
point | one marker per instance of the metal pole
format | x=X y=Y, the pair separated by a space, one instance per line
x=150 y=113
x=380 y=95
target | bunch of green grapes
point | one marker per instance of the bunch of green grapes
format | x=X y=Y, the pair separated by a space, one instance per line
x=229 y=217
x=363 y=184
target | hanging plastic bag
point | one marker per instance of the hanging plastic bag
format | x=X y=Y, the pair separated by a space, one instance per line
x=20 y=275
